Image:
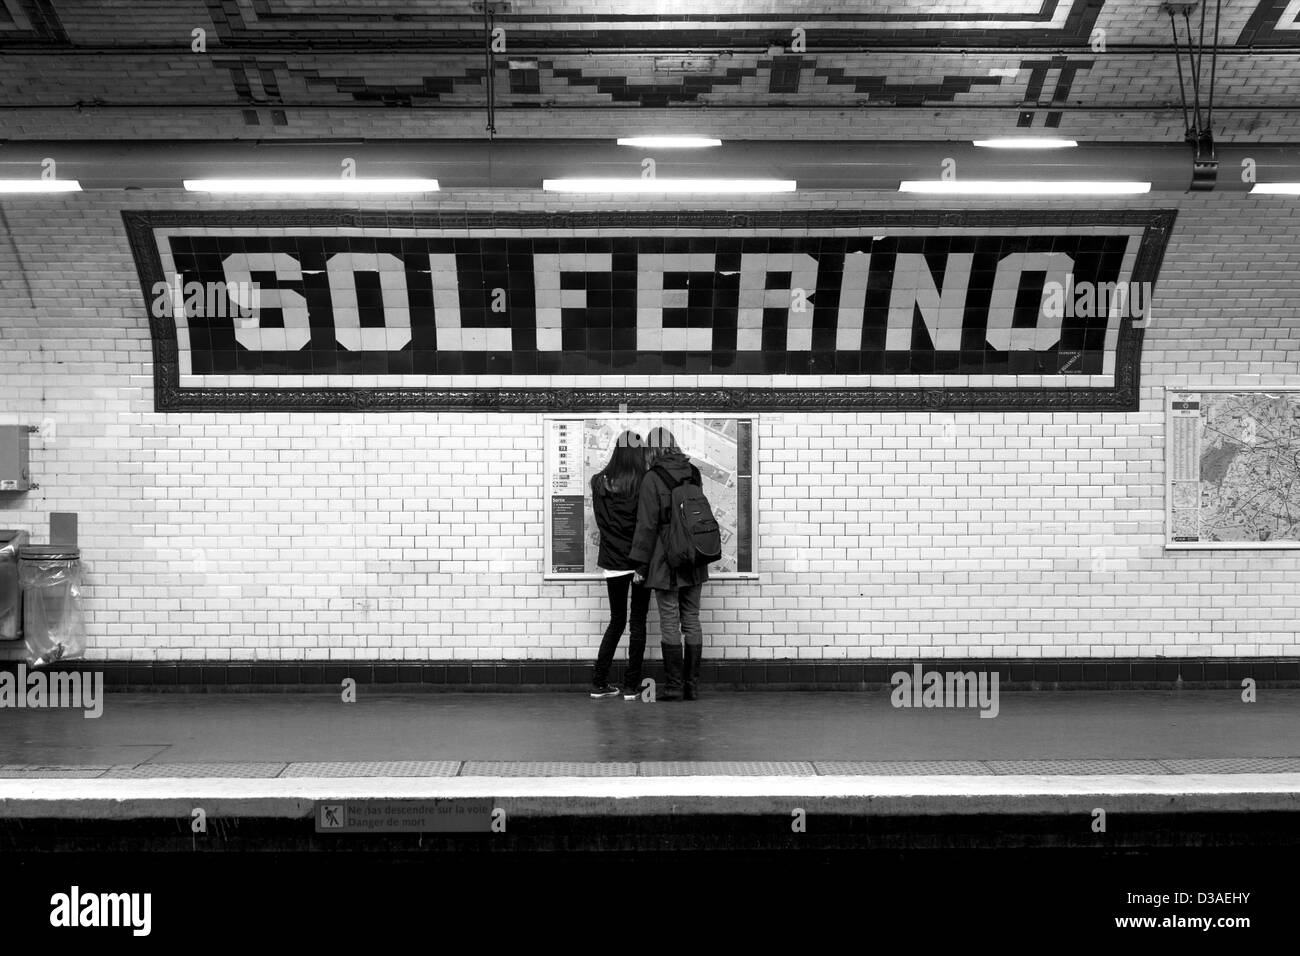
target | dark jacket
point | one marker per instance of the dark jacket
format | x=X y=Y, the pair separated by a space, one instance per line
x=652 y=521
x=616 y=518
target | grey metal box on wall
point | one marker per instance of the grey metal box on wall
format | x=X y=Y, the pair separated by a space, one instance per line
x=15 y=474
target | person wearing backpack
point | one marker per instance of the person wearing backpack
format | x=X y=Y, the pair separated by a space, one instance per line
x=676 y=537
x=615 y=495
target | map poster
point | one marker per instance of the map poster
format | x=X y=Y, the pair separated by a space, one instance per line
x=566 y=491
x=1232 y=469
x=722 y=447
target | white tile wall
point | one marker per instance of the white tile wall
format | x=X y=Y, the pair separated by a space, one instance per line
x=419 y=536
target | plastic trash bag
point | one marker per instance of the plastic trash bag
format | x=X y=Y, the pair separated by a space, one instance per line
x=54 y=619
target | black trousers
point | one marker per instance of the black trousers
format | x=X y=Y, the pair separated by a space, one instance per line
x=618 y=620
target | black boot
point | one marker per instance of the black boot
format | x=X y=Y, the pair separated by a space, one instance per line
x=691 y=672
x=672 y=689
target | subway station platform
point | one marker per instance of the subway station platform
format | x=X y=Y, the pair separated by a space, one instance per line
x=549 y=760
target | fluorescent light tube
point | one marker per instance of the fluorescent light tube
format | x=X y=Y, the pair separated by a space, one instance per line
x=993 y=187
x=339 y=185
x=639 y=185
x=1276 y=189
x=1025 y=142
x=669 y=142
x=39 y=186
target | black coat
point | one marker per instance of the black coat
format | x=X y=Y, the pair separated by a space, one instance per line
x=616 y=518
x=652 y=520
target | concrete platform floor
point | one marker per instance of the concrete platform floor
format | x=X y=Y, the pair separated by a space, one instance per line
x=1183 y=762
x=809 y=733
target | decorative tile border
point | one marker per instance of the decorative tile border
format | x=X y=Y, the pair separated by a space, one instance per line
x=31 y=23
x=522 y=675
x=1060 y=22
x=1273 y=23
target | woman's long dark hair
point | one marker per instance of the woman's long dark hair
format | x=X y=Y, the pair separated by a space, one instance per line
x=626 y=464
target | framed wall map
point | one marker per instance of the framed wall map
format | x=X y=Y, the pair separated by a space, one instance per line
x=721 y=446
x=1232 y=468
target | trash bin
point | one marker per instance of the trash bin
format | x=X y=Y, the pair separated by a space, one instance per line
x=11 y=595
x=54 y=623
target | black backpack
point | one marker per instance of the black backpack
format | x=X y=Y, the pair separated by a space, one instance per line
x=692 y=537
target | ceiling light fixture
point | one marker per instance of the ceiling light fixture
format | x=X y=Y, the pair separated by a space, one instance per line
x=312 y=185
x=1025 y=142
x=668 y=185
x=669 y=142
x=39 y=186
x=993 y=187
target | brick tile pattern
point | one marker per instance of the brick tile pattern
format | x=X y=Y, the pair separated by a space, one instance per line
x=412 y=537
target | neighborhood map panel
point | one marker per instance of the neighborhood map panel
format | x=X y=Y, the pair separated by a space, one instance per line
x=1233 y=460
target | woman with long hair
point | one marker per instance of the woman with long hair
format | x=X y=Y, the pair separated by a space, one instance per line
x=615 y=491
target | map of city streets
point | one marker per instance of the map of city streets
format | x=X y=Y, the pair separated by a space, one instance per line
x=722 y=447
x=1233 y=462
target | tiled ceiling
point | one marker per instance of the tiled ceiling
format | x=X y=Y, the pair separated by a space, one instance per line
x=900 y=69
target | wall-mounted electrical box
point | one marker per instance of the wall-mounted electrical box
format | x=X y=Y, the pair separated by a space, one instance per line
x=14 y=472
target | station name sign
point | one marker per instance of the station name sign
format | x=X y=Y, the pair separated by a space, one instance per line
x=331 y=309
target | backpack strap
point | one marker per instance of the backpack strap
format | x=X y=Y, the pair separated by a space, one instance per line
x=666 y=478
